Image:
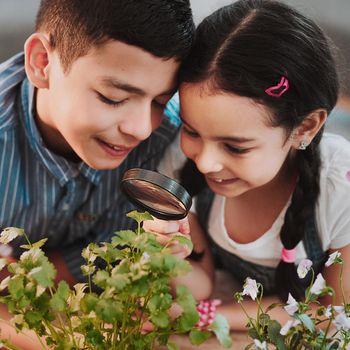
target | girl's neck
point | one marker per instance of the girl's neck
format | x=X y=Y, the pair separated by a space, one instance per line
x=249 y=216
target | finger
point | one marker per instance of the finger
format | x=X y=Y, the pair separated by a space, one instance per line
x=161 y=226
x=184 y=227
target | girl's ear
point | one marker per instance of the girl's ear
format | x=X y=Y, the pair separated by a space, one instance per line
x=308 y=129
x=37 y=58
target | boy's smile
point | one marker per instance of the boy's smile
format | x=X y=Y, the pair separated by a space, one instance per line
x=107 y=103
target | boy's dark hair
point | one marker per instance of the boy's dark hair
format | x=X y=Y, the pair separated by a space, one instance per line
x=245 y=48
x=163 y=28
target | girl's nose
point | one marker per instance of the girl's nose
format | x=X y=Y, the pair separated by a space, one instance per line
x=208 y=161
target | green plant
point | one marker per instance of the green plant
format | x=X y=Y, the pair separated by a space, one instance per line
x=311 y=325
x=128 y=288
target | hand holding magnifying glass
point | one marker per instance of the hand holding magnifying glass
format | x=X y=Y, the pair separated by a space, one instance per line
x=162 y=197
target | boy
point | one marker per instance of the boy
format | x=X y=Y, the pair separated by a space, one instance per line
x=77 y=109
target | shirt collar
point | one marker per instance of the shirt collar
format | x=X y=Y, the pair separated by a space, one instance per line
x=61 y=168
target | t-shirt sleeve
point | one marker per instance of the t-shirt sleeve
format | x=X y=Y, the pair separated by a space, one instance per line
x=334 y=206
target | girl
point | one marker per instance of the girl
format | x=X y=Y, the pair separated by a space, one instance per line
x=255 y=94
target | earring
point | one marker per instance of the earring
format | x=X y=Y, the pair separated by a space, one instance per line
x=302 y=146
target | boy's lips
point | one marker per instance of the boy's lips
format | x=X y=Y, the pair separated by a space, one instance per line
x=115 y=150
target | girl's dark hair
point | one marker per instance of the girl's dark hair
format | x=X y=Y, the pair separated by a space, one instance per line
x=165 y=28
x=245 y=48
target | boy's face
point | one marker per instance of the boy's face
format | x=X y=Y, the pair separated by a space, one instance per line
x=106 y=104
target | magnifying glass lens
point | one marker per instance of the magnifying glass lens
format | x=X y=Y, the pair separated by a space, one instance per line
x=162 y=196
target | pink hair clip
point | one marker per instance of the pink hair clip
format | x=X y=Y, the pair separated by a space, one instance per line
x=279 y=89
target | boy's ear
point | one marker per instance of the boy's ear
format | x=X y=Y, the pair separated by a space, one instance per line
x=309 y=128
x=37 y=55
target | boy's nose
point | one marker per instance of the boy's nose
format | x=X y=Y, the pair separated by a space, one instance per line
x=139 y=123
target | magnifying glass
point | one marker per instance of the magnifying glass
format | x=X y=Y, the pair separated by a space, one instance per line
x=160 y=195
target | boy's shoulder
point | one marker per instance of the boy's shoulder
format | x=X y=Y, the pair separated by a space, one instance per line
x=12 y=73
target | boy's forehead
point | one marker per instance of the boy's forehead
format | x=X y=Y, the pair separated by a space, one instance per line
x=115 y=64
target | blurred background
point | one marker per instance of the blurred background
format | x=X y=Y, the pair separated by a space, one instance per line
x=17 y=21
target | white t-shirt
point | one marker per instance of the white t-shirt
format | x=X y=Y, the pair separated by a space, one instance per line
x=332 y=208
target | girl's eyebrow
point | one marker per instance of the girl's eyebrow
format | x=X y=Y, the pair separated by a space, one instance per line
x=235 y=139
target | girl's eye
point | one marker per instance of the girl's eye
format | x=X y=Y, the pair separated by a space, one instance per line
x=237 y=150
x=189 y=132
x=108 y=101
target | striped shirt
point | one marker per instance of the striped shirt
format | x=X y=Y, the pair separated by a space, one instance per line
x=48 y=196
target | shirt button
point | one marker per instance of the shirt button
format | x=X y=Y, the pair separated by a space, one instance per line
x=65 y=206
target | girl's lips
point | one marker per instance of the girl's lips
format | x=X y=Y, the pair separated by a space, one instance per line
x=220 y=181
x=114 y=150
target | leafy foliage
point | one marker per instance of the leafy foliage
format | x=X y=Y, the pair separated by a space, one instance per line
x=128 y=290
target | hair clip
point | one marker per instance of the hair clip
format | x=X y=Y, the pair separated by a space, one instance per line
x=279 y=89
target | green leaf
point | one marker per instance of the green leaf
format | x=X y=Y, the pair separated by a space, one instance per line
x=139 y=217
x=16 y=287
x=94 y=337
x=273 y=331
x=89 y=302
x=198 y=337
x=183 y=240
x=185 y=298
x=172 y=346
x=33 y=318
x=222 y=331
x=160 y=319
x=124 y=237
x=45 y=274
x=35 y=245
x=306 y=321
x=59 y=299
x=109 y=311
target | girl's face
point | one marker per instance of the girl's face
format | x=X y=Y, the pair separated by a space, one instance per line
x=230 y=140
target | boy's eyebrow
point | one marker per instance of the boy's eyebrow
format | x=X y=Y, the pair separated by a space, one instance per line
x=235 y=139
x=120 y=85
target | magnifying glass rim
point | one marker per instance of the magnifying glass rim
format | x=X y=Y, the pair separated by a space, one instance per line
x=165 y=183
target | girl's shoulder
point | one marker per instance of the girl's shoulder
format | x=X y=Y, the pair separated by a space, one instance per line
x=335 y=150
x=334 y=204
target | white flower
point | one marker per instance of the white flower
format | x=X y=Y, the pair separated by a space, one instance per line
x=250 y=288
x=328 y=312
x=304 y=267
x=292 y=305
x=342 y=322
x=3 y=263
x=332 y=258
x=9 y=234
x=289 y=324
x=319 y=285
x=260 y=345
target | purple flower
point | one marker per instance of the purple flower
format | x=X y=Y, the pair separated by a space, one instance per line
x=304 y=267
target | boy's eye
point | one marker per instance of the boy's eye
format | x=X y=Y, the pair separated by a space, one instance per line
x=108 y=101
x=237 y=150
x=159 y=104
x=188 y=131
